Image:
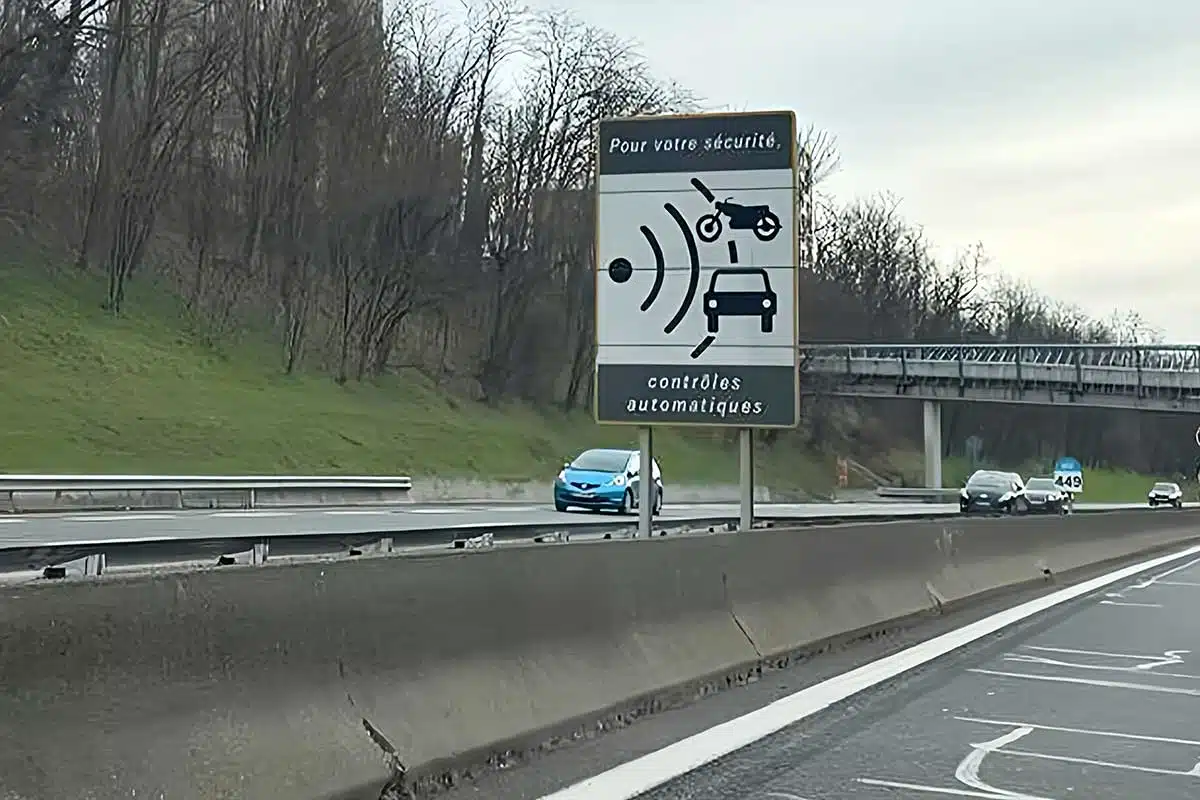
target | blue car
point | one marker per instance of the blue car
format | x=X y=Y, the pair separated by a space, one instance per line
x=604 y=479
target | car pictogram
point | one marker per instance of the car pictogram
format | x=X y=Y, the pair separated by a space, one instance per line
x=753 y=298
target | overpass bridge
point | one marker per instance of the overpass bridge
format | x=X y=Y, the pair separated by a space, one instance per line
x=1141 y=377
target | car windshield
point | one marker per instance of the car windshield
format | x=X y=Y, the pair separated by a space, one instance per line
x=1040 y=484
x=997 y=482
x=601 y=461
x=738 y=281
x=1164 y=487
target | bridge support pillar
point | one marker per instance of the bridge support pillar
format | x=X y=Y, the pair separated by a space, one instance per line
x=933 y=444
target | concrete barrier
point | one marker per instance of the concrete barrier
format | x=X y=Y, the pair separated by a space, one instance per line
x=315 y=680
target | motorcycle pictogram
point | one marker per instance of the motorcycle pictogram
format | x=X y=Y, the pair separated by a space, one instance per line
x=760 y=219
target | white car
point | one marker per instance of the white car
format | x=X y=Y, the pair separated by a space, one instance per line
x=1165 y=494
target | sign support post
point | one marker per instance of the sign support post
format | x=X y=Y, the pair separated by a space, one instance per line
x=746 y=478
x=646 y=481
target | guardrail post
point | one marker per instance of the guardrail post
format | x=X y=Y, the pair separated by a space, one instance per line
x=94 y=565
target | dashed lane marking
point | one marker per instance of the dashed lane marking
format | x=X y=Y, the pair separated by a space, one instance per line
x=117 y=517
x=252 y=514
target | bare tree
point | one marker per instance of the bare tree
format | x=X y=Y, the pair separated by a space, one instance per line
x=166 y=60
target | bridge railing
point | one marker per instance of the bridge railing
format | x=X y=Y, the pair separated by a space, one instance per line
x=1136 y=370
x=1165 y=358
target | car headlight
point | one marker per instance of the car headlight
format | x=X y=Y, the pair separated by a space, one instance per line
x=562 y=476
x=618 y=481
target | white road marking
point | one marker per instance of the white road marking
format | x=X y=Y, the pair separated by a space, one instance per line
x=1172 y=654
x=1136 y=737
x=1143 y=687
x=920 y=787
x=1178 y=583
x=1190 y=773
x=1148 y=582
x=1051 y=662
x=441 y=511
x=253 y=514
x=1130 y=605
x=4 y=521
x=967 y=772
x=355 y=512
x=785 y=796
x=119 y=517
x=1147 y=663
x=633 y=778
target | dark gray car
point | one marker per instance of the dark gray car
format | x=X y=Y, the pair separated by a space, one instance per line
x=1044 y=497
x=989 y=492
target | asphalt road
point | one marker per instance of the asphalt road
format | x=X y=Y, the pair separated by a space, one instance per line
x=50 y=529
x=1097 y=701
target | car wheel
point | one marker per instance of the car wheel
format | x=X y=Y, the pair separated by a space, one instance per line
x=1153 y=504
x=1179 y=504
x=626 y=502
x=658 y=502
x=560 y=506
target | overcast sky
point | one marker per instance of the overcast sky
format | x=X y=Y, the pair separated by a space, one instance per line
x=1063 y=134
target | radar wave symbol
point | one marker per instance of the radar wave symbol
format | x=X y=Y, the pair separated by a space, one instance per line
x=620 y=270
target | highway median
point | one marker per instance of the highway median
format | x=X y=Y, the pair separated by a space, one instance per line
x=351 y=678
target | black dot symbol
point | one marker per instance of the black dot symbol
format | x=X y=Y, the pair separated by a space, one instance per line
x=620 y=270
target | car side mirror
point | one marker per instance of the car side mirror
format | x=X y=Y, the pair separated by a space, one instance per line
x=631 y=474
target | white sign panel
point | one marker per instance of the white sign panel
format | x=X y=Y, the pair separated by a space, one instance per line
x=1068 y=475
x=696 y=252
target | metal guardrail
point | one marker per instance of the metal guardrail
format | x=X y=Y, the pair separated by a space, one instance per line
x=56 y=560
x=918 y=494
x=27 y=493
x=87 y=483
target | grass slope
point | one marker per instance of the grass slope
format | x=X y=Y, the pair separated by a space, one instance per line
x=82 y=391
x=85 y=392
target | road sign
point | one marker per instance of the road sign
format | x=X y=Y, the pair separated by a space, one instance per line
x=696 y=252
x=1068 y=475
